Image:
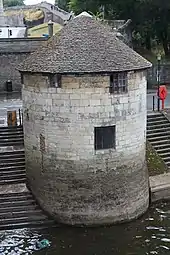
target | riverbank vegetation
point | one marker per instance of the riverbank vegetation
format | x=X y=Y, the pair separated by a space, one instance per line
x=154 y=162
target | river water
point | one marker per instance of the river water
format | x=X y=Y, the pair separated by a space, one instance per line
x=148 y=235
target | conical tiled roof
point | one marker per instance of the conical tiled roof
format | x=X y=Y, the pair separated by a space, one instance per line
x=84 y=45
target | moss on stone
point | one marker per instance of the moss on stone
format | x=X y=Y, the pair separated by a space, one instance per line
x=155 y=163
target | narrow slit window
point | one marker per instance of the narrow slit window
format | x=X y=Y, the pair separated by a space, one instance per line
x=22 y=79
x=105 y=137
x=118 y=83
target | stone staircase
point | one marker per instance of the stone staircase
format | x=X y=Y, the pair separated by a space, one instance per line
x=158 y=134
x=12 y=167
x=11 y=136
x=12 y=156
x=18 y=208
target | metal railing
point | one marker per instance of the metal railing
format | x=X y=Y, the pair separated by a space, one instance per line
x=20 y=117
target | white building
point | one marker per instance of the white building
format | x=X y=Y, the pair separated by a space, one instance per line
x=12 y=32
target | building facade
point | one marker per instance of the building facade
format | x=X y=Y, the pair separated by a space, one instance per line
x=12 y=32
x=84 y=100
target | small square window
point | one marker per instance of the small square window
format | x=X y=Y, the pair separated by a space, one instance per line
x=55 y=80
x=118 y=83
x=105 y=137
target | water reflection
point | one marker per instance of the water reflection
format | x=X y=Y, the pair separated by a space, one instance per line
x=18 y=242
x=148 y=235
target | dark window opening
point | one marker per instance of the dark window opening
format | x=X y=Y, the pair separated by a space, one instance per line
x=22 y=79
x=10 y=32
x=42 y=143
x=118 y=83
x=55 y=80
x=105 y=137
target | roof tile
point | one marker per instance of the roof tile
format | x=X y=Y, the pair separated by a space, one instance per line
x=84 y=45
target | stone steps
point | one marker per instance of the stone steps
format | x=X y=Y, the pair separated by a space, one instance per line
x=30 y=224
x=11 y=136
x=158 y=130
x=20 y=162
x=158 y=126
x=18 y=210
x=6 y=143
x=151 y=135
x=158 y=134
x=157 y=122
x=163 y=138
x=10 y=160
x=12 y=172
x=12 y=167
x=163 y=151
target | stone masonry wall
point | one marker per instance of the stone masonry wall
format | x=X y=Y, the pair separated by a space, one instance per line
x=8 y=70
x=12 y=53
x=72 y=181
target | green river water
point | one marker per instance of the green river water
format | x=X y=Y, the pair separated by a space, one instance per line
x=148 y=235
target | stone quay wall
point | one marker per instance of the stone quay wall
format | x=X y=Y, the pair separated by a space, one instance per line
x=12 y=52
x=72 y=181
x=51 y=12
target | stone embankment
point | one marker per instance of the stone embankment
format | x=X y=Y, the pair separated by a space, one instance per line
x=160 y=187
x=158 y=135
x=18 y=207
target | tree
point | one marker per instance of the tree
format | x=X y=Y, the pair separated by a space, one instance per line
x=78 y=6
x=63 y=4
x=9 y=3
x=150 y=18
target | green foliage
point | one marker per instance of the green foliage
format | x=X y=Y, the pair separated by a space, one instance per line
x=9 y=3
x=63 y=4
x=155 y=164
x=151 y=19
x=78 y=5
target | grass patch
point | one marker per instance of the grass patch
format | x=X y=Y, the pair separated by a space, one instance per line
x=154 y=162
x=39 y=30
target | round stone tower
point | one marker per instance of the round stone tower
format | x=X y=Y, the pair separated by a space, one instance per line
x=84 y=104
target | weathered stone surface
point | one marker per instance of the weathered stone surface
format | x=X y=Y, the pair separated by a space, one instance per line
x=160 y=187
x=72 y=181
x=14 y=188
x=89 y=81
x=12 y=52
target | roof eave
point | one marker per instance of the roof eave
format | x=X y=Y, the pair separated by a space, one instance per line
x=87 y=72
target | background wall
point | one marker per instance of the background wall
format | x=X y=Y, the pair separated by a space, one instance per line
x=15 y=15
x=12 y=52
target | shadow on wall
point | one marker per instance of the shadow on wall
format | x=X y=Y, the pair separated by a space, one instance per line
x=12 y=53
x=33 y=23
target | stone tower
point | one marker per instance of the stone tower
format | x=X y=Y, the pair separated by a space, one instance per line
x=84 y=103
